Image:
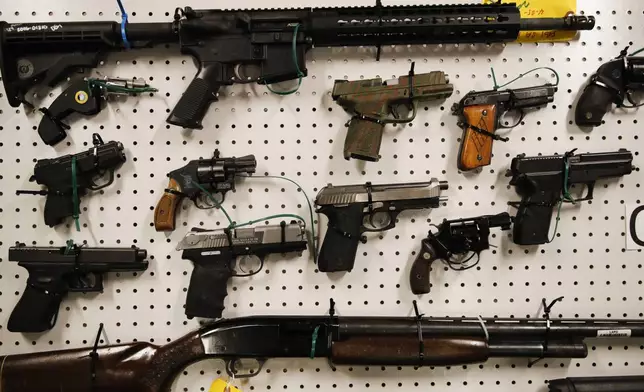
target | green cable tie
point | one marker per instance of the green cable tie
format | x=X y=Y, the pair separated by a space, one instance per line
x=215 y=202
x=566 y=197
x=69 y=247
x=75 y=201
x=300 y=75
x=637 y=52
x=308 y=201
x=234 y=226
x=314 y=339
x=496 y=86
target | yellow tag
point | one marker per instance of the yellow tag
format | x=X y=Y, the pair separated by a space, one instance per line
x=543 y=9
x=219 y=385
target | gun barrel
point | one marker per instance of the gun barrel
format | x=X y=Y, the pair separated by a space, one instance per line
x=585 y=168
x=345 y=194
x=570 y=22
x=246 y=164
x=116 y=259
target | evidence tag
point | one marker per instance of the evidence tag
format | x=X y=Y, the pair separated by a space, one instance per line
x=543 y=9
x=219 y=385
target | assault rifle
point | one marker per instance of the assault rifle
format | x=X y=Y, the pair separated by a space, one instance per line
x=273 y=42
x=381 y=341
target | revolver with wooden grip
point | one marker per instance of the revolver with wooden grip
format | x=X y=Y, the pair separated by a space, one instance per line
x=481 y=114
x=194 y=180
x=455 y=243
x=374 y=103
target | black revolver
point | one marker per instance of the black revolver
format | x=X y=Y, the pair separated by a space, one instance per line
x=543 y=181
x=53 y=272
x=355 y=209
x=216 y=175
x=614 y=82
x=455 y=243
x=215 y=255
x=70 y=177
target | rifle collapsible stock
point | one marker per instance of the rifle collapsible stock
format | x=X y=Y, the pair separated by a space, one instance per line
x=382 y=341
x=275 y=41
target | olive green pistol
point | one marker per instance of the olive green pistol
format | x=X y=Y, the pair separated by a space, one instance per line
x=374 y=103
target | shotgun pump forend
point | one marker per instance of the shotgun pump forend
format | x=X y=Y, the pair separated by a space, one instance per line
x=355 y=209
x=227 y=45
x=218 y=255
x=481 y=114
x=543 y=182
x=69 y=177
x=374 y=103
x=455 y=243
x=343 y=340
x=53 y=272
x=215 y=175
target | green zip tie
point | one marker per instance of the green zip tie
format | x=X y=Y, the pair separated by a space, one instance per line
x=496 y=86
x=215 y=202
x=566 y=197
x=300 y=75
x=75 y=201
x=234 y=226
x=314 y=241
x=637 y=52
x=314 y=339
x=69 y=247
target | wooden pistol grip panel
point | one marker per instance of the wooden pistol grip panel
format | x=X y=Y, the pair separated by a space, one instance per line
x=476 y=148
x=404 y=350
x=135 y=367
x=166 y=209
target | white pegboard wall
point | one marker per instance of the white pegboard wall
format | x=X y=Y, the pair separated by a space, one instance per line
x=301 y=137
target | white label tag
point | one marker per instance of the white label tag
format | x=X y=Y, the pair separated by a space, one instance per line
x=614 y=333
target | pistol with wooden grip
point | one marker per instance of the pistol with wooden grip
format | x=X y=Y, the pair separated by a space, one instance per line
x=455 y=243
x=215 y=175
x=374 y=103
x=481 y=114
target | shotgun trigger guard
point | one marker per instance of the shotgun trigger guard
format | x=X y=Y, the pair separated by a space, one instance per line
x=233 y=371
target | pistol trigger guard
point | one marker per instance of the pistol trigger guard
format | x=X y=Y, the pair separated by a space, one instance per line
x=94 y=187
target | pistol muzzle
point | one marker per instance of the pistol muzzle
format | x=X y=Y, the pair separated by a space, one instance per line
x=444 y=185
x=141 y=254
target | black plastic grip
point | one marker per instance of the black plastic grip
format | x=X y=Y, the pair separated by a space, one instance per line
x=419 y=274
x=77 y=98
x=207 y=290
x=36 y=311
x=340 y=245
x=192 y=106
x=594 y=103
x=57 y=208
x=532 y=224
